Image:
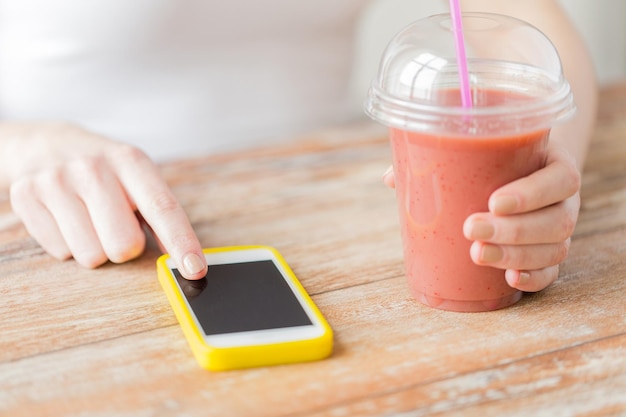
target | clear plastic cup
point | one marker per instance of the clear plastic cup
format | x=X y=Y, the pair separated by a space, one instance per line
x=448 y=158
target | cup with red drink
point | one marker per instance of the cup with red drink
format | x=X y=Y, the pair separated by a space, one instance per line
x=448 y=158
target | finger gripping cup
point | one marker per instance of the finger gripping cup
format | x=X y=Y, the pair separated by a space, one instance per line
x=448 y=158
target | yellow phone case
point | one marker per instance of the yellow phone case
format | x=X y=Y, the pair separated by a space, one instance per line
x=218 y=358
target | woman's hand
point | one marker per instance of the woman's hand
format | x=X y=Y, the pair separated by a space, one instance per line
x=83 y=196
x=528 y=226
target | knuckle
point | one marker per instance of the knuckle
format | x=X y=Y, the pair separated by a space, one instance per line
x=543 y=278
x=561 y=252
x=47 y=181
x=91 y=259
x=575 y=202
x=21 y=191
x=90 y=166
x=87 y=173
x=164 y=202
x=552 y=274
x=569 y=224
x=36 y=187
x=567 y=212
x=182 y=241
x=574 y=178
x=58 y=252
x=127 y=154
x=50 y=178
x=127 y=250
x=515 y=233
x=519 y=260
x=569 y=218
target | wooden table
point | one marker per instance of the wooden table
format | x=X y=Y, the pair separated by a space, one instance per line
x=77 y=342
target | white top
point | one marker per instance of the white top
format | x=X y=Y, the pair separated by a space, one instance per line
x=184 y=77
x=179 y=77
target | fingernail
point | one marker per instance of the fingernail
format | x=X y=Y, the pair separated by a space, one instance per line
x=491 y=254
x=388 y=178
x=524 y=278
x=481 y=230
x=505 y=204
x=193 y=264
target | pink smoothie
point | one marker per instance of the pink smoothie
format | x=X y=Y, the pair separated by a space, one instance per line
x=440 y=181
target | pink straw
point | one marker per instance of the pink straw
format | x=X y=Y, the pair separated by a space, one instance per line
x=459 y=43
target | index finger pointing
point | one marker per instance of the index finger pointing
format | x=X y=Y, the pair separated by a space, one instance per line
x=157 y=204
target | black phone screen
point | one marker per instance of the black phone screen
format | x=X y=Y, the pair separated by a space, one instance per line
x=242 y=297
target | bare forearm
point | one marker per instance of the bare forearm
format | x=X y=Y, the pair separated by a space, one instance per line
x=548 y=16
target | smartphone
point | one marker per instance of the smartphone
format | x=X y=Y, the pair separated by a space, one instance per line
x=249 y=310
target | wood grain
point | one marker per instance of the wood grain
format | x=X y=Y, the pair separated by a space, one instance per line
x=104 y=342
